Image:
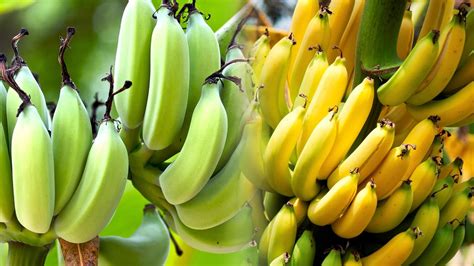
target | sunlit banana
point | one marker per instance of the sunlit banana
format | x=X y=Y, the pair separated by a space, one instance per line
x=341 y=14
x=312 y=76
x=423 y=180
x=311 y=159
x=304 y=250
x=102 y=183
x=148 y=245
x=191 y=170
x=406 y=35
x=132 y=61
x=356 y=218
x=284 y=227
x=458 y=238
x=411 y=73
x=392 y=211
x=329 y=208
x=333 y=258
x=258 y=54
x=368 y=155
x=6 y=186
x=169 y=81
x=456 y=207
x=462 y=76
x=438 y=247
x=301 y=209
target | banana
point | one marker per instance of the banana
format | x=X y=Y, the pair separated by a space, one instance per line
x=460 y=186
x=169 y=79
x=272 y=203
x=317 y=34
x=273 y=80
x=438 y=247
x=341 y=14
x=469 y=44
x=226 y=192
x=450 y=110
x=258 y=54
x=356 y=218
x=433 y=17
x=368 y=155
x=258 y=216
x=445 y=66
x=423 y=179
x=462 y=76
x=304 y=250
x=132 y=61
x=188 y=174
x=437 y=148
x=281 y=260
x=456 y=207
x=264 y=243
x=389 y=173
x=333 y=258
x=444 y=189
x=392 y=211
x=3 y=108
x=453 y=168
x=329 y=93
x=406 y=35
x=458 y=238
x=71 y=135
x=279 y=150
x=6 y=186
x=148 y=245
x=301 y=209
x=411 y=72
x=329 y=208
x=351 y=119
x=311 y=79
x=352 y=258
x=447 y=15
x=311 y=159
x=396 y=251
x=102 y=183
x=284 y=227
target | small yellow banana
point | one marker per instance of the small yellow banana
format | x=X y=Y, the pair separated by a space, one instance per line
x=284 y=227
x=311 y=79
x=406 y=35
x=341 y=14
x=423 y=180
x=434 y=15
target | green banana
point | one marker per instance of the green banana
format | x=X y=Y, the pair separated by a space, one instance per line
x=258 y=217
x=264 y=243
x=102 y=183
x=438 y=247
x=149 y=244
x=423 y=179
x=169 y=81
x=284 y=227
x=456 y=208
x=6 y=186
x=352 y=258
x=458 y=238
x=132 y=61
x=71 y=135
x=272 y=203
x=304 y=250
x=333 y=258
x=281 y=260
x=258 y=54
x=3 y=108
x=444 y=189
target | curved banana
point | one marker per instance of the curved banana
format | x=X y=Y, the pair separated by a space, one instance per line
x=169 y=82
x=259 y=54
x=304 y=250
x=458 y=238
x=456 y=207
x=272 y=203
x=433 y=16
x=273 y=80
x=279 y=150
x=392 y=211
x=352 y=258
x=368 y=155
x=102 y=183
x=148 y=245
x=333 y=258
x=281 y=260
x=444 y=189
x=311 y=79
x=351 y=119
x=3 y=108
x=405 y=35
x=132 y=61
x=338 y=20
x=6 y=185
x=264 y=243
x=71 y=135
x=284 y=226
x=450 y=110
x=462 y=76
x=356 y=218
x=438 y=247
x=396 y=251
x=447 y=13
x=311 y=159
x=301 y=209
x=191 y=170
x=329 y=208
x=423 y=179
x=226 y=192
x=411 y=73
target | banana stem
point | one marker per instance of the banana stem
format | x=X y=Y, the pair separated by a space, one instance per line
x=20 y=254
x=377 y=49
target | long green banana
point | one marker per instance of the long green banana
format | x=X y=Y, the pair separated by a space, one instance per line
x=333 y=258
x=458 y=238
x=6 y=186
x=438 y=247
x=304 y=250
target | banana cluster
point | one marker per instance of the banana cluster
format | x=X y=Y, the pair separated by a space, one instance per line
x=392 y=198
x=56 y=179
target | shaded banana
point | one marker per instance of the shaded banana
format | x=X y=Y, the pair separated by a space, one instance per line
x=272 y=203
x=462 y=76
x=443 y=188
x=458 y=238
x=456 y=207
x=301 y=209
x=304 y=250
x=3 y=108
x=352 y=258
x=406 y=35
x=6 y=185
x=438 y=247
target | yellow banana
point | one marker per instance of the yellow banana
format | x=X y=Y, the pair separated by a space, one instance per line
x=258 y=54
x=368 y=155
x=329 y=208
x=463 y=76
x=356 y=218
x=311 y=79
x=411 y=73
x=304 y=250
x=447 y=15
x=406 y=35
x=284 y=227
x=341 y=14
x=423 y=180
x=281 y=260
x=456 y=207
x=350 y=121
x=301 y=209
x=434 y=15
x=438 y=247
x=311 y=159
x=352 y=258
x=393 y=210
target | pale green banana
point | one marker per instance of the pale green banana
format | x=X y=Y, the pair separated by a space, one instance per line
x=6 y=186
x=281 y=260
x=3 y=108
x=304 y=250
x=444 y=190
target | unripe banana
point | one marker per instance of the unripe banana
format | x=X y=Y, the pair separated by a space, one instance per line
x=460 y=186
x=311 y=159
x=71 y=135
x=352 y=258
x=411 y=73
x=264 y=243
x=329 y=208
x=148 y=245
x=281 y=260
x=169 y=82
x=443 y=189
x=341 y=13
x=304 y=250
x=392 y=211
x=406 y=35
x=188 y=174
x=259 y=54
x=368 y=155
x=283 y=228
x=132 y=61
x=423 y=180
x=272 y=203
x=458 y=238
x=3 y=108
x=312 y=76
x=356 y=218
x=438 y=247
x=456 y=208
x=6 y=186
x=333 y=258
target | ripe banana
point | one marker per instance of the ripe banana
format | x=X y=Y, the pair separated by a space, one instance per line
x=433 y=18
x=6 y=186
x=132 y=61
x=352 y=258
x=169 y=81
x=279 y=150
x=341 y=14
x=456 y=207
x=304 y=250
x=351 y=119
x=311 y=79
x=311 y=159
x=462 y=76
x=188 y=174
x=393 y=210
x=438 y=247
x=333 y=258
x=423 y=180
x=406 y=35
x=259 y=54
x=458 y=238
x=356 y=218
x=329 y=208
x=368 y=155
x=284 y=226
x=411 y=73
x=148 y=245
x=71 y=135
x=301 y=209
